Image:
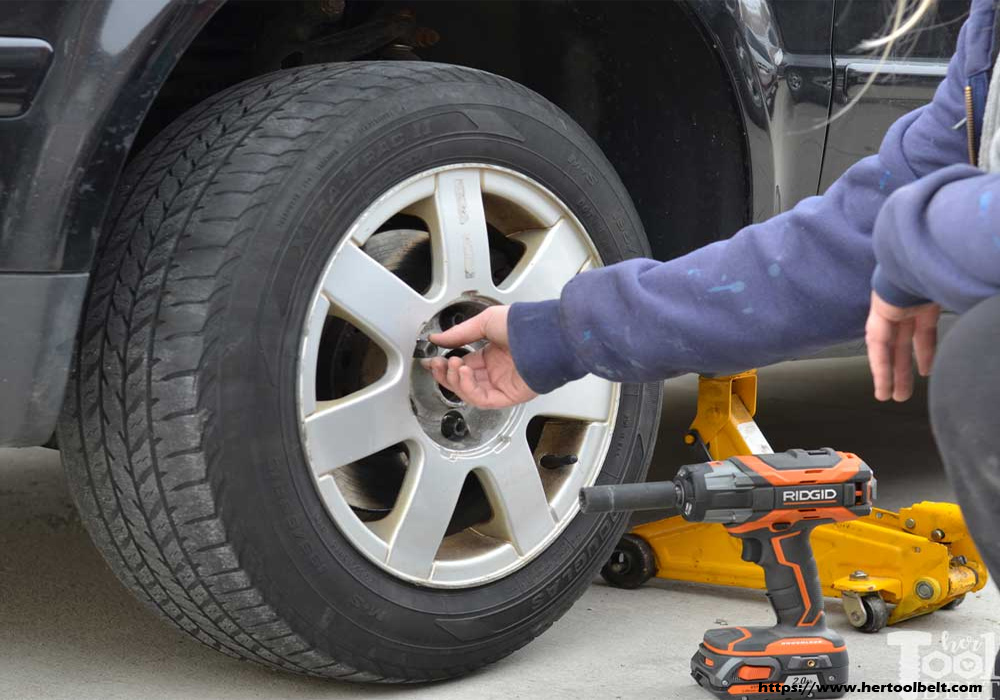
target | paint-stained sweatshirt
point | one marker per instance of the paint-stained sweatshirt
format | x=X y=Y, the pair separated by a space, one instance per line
x=802 y=280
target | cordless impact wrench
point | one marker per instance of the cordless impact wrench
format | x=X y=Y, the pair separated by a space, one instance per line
x=771 y=502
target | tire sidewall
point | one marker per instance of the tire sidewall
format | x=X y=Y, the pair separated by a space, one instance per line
x=298 y=557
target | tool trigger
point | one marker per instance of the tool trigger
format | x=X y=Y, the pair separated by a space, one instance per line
x=752 y=550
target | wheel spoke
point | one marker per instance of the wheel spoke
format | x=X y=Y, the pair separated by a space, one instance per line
x=552 y=257
x=375 y=300
x=587 y=399
x=345 y=430
x=393 y=202
x=521 y=511
x=417 y=524
x=310 y=354
x=459 y=241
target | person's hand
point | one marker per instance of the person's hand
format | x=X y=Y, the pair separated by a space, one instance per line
x=894 y=334
x=486 y=378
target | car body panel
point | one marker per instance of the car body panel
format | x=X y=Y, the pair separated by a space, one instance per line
x=59 y=163
x=906 y=80
x=61 y=159
x=778 y=52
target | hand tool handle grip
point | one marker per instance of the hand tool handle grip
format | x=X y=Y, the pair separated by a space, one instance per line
x=790 y=574
x=654 y=495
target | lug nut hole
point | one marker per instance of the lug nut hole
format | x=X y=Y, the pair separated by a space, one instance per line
x=458 y=313
x=447 y=394
x=453 y=426
x=451 y=318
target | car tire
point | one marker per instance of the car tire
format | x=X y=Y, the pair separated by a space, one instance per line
x=183 y=433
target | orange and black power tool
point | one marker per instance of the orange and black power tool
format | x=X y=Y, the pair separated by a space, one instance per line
x=771 y=502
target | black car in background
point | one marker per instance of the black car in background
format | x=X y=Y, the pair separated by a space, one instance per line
x=224 y=226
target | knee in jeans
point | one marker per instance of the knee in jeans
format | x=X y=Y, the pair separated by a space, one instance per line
x=963 y=384
x=967 y=355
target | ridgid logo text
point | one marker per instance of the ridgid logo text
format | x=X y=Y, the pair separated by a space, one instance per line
x=800 y=495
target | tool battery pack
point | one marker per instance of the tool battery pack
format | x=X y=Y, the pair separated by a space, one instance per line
x=759 y=663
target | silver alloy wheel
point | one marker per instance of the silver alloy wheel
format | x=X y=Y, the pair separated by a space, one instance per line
x=417 y=534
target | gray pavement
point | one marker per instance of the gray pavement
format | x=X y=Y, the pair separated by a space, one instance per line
x=69 y=630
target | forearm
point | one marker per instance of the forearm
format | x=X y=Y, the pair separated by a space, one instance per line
x=779 y=289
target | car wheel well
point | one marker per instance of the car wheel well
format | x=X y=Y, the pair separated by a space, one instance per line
x=642 y=79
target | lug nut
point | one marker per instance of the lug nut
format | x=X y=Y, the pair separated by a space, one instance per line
x=453 y=426
x=556 y=461
x=424 y=348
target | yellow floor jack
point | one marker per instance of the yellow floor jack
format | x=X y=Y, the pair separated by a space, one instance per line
x=918 y=560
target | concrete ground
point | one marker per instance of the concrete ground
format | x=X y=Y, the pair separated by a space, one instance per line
x=69 y=630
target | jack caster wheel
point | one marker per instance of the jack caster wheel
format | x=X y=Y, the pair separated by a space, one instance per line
x=631 y=564
x=952 y=604
x=876 y=614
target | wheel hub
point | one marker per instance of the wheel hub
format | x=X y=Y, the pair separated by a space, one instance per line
x=444 y=417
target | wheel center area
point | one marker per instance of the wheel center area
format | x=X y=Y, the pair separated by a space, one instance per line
x=444 y=417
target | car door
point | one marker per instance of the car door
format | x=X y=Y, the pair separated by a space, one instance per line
x=904 y=82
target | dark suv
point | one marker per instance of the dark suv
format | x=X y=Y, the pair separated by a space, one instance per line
x=225 y=227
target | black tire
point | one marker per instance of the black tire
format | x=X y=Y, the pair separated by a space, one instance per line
x=631 y=564
x=180 y=431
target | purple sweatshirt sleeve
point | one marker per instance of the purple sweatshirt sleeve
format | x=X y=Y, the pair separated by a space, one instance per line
x=786 y=287
x=938 y=239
